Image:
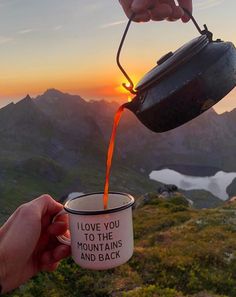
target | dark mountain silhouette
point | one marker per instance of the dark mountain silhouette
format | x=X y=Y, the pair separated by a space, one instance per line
x=206 y=142
x=67 y=137
x=55 y=123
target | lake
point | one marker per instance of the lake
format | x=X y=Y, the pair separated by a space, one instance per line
x=216 y=184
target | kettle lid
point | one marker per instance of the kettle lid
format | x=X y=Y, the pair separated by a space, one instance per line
x=173 y=60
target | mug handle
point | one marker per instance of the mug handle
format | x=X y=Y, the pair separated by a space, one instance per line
x=62 y=238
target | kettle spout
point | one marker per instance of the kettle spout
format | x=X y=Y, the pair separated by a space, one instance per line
x=132 y=105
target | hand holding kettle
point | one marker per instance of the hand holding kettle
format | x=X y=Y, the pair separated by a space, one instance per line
x=184 y=83
x=157 y=10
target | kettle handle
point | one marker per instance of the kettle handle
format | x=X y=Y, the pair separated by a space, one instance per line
x=202 y=32
x=130 y=87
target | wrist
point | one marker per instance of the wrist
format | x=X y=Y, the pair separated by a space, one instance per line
x=4 y=273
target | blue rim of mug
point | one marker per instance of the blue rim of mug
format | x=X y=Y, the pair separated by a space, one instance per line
x=98 y=212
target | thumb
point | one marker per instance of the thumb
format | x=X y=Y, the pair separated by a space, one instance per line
x=45 y=204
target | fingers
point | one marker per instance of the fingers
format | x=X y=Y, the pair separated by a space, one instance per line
x=50 y=267
x=177 y=11
x=126 y=4
x=142 y=17
x=61 y=252
x=141 y=14
x=140 y=6
x=55 y=251
x=189 y=6
x=58 y=228
x=50 y=259
x=45 y=204
x=161 y=11
x=156 y=10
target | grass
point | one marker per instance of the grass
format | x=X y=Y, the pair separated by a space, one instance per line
x=179 y=252
x=36 y=176
x=21 y=184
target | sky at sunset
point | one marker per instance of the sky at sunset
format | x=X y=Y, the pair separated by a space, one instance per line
x=71 y=45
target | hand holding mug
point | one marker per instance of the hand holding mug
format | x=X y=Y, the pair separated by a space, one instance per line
x=28 y=242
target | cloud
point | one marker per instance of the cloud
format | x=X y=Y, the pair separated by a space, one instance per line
x=7 y=2
x=57 y=28
x=94 y=6
x=25 y=31
x=205 y=4
x=4 y=39
x=108 y=25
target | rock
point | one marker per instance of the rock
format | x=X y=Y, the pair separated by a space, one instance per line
x=231 y=189
x=174 y=198
x=165 y=195
x=145 y=199
x=231 y=200
x=167 y=189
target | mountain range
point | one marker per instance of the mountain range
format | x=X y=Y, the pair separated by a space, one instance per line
x=57 y=143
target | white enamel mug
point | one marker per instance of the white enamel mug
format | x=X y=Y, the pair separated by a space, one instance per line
x=100 y=238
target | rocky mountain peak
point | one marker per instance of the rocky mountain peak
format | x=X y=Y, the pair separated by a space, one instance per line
x=51 y=95
x=27 y=99
x=53 y=92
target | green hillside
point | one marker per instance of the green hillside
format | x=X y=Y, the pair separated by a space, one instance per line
x=179 y=252
x=38 y=175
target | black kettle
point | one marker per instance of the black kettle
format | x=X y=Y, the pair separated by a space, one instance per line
x=185 y=83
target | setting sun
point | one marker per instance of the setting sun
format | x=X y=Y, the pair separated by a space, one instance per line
x=69 y=53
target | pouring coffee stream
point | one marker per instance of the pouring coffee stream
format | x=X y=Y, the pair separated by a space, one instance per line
x=110 y=155
x=185 y=83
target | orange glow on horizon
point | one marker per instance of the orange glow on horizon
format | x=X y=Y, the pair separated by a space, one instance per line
x=14 y=89
x=17 y=90
x=70 y=77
